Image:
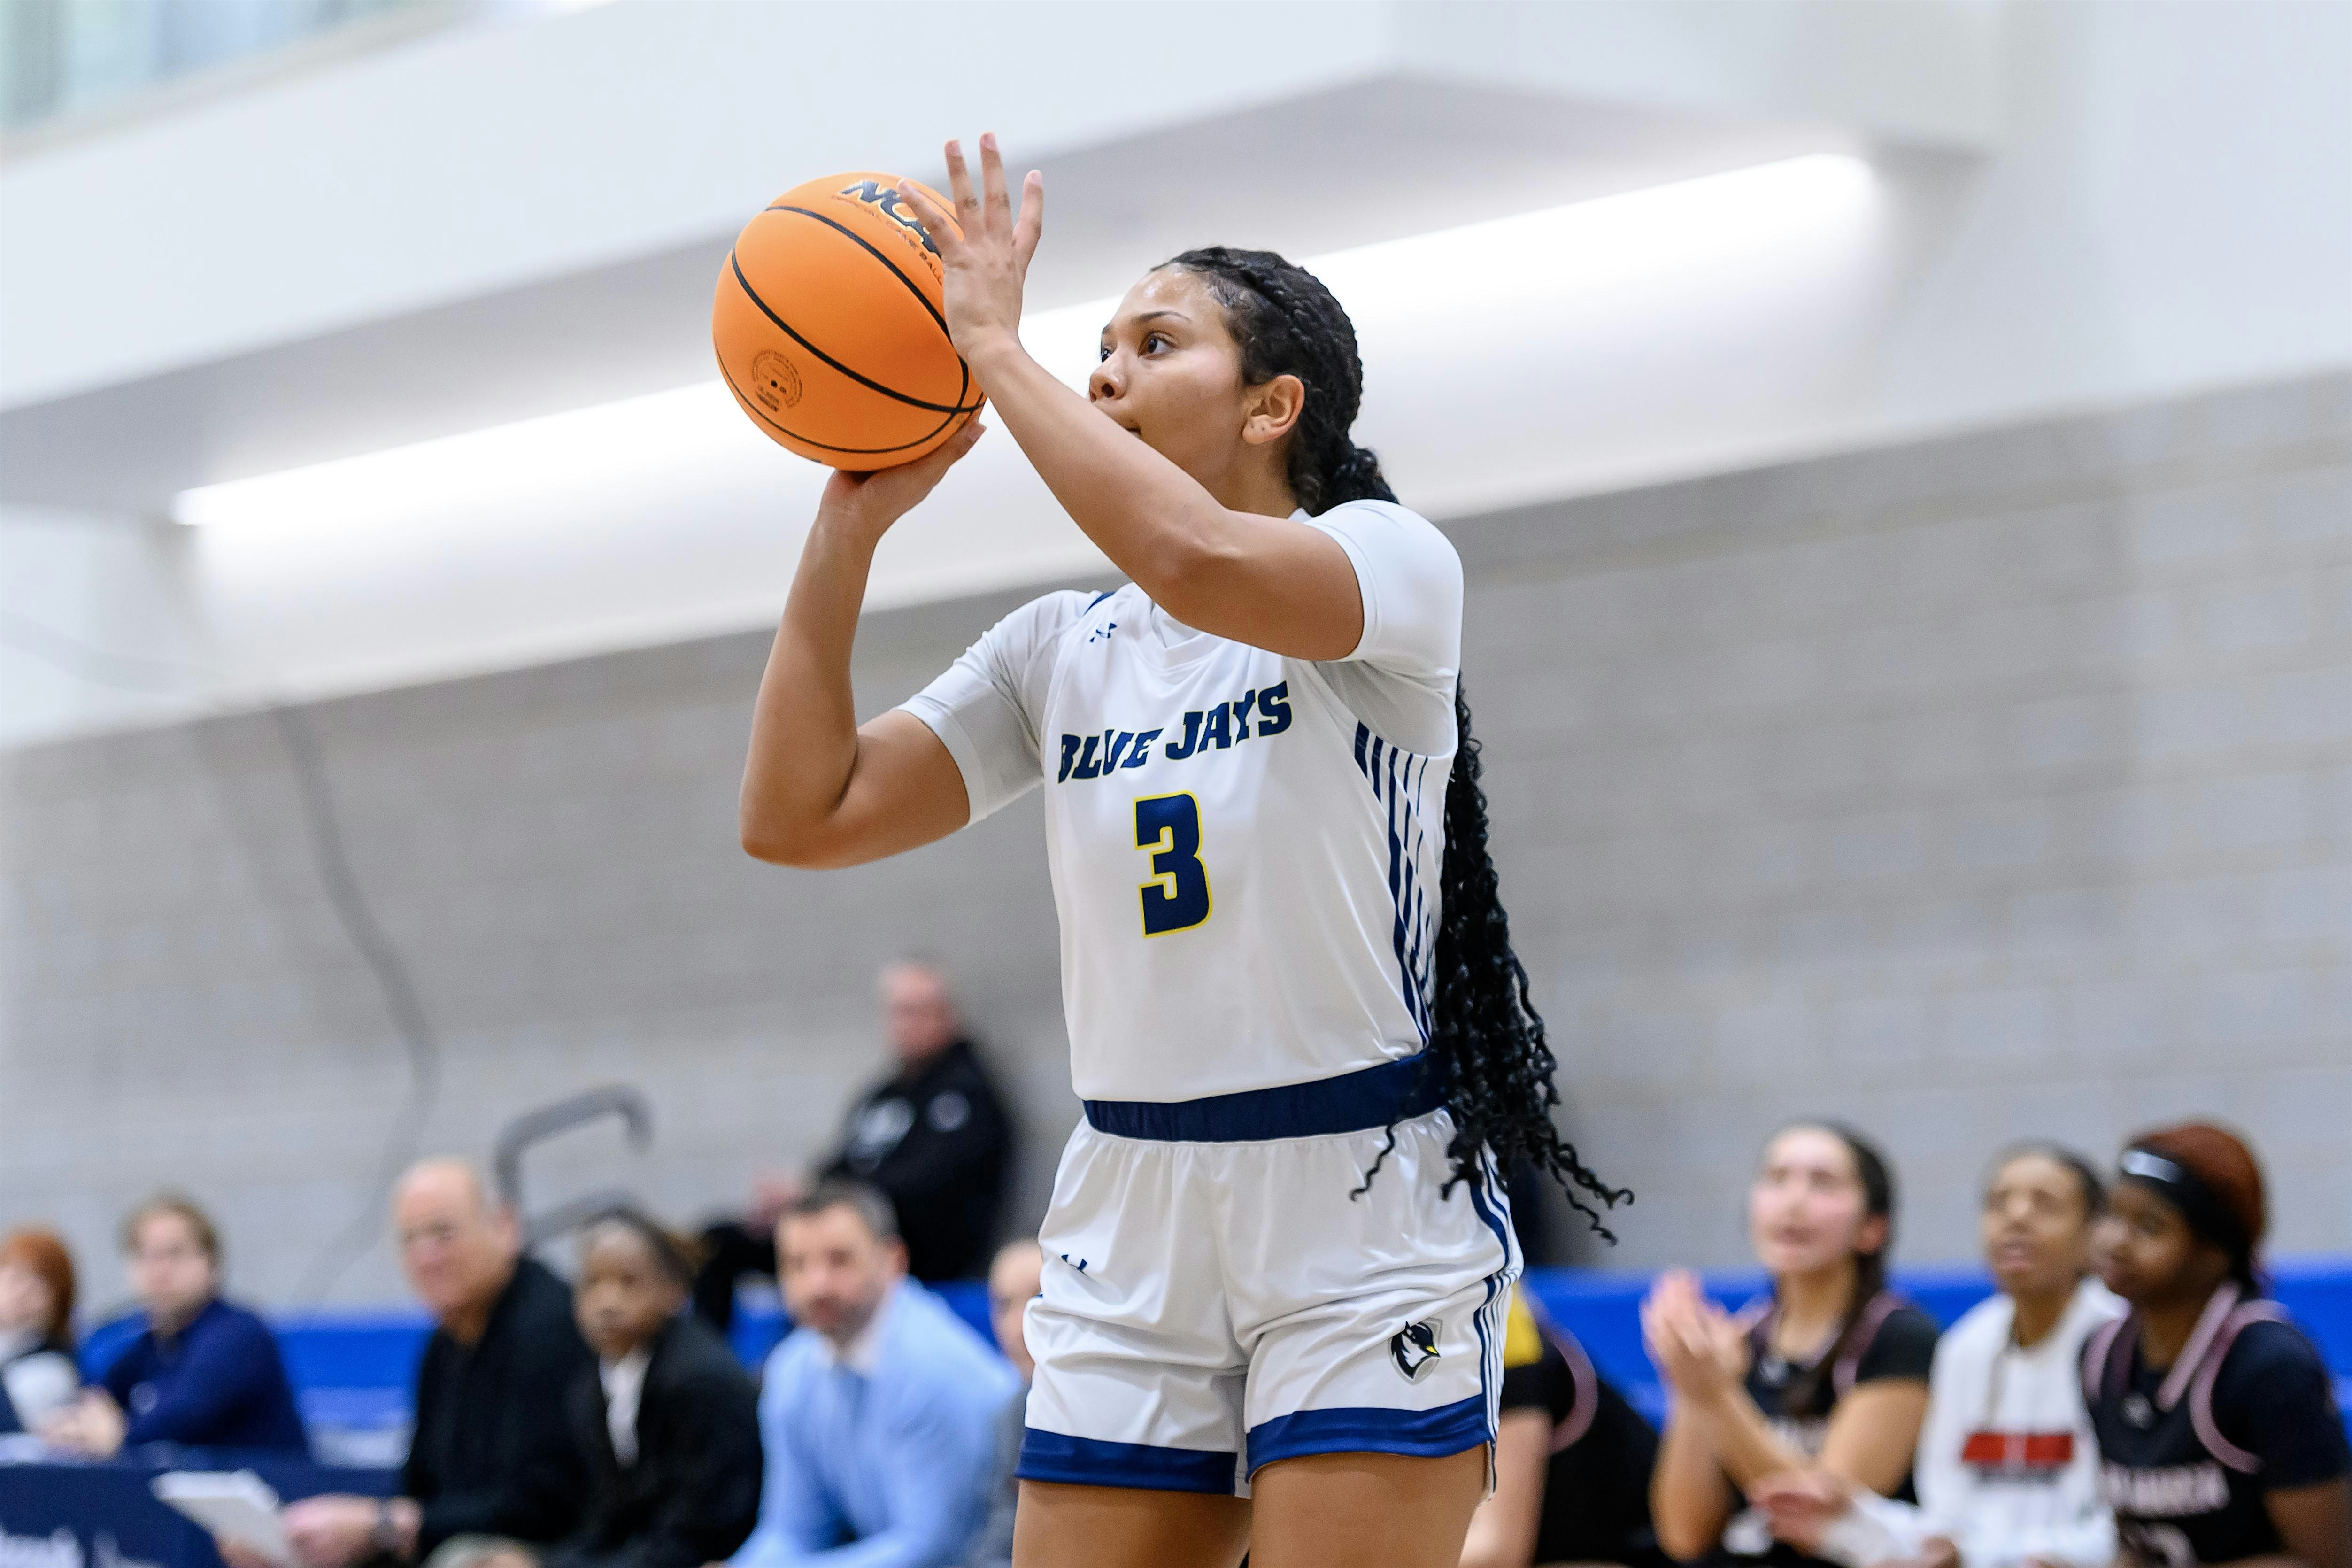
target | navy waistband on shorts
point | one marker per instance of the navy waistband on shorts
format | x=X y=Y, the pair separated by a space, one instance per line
x=1375 y=1097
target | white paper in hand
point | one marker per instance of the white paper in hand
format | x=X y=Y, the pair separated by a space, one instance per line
x=239 y=1507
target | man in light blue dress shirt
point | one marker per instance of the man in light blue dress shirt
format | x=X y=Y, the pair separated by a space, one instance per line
x=879 y=1412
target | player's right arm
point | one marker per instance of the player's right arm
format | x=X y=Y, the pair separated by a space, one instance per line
x=820 y=789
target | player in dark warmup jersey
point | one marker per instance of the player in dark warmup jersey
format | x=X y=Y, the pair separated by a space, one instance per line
x=1828 y=1372
x=2219 y=1436
x=1572 y=1459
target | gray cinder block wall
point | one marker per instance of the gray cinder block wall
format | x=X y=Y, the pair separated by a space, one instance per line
x=1992 y=787
x=1981 y=787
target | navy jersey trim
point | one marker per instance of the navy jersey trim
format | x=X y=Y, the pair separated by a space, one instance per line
x=1352 y=1102
x=1396 y=776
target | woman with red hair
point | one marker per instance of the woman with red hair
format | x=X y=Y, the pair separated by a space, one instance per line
x=37 y=1375
x=2217 y=1431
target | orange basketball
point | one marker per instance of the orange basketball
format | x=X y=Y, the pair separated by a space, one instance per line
x=829 y=330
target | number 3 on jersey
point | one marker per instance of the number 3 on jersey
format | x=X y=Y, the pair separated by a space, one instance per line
x=1177 y=898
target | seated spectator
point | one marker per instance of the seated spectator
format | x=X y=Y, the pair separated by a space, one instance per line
x=2008 y=1470
x=1828 y=1372
x=2218 y=1430
x=880 y=1411
x=1572 y=1459
x=933 y=1136
x=39 y=1377
x=205 y=1374
x=492 y=1455
x=669 y=1420
x=1014 y=1279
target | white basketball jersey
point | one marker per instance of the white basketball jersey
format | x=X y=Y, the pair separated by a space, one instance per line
x=1245 y=848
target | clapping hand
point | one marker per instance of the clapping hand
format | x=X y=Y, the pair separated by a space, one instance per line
x=1698 y=1349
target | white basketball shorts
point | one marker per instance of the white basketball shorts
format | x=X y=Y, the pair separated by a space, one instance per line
x=1218 y=1295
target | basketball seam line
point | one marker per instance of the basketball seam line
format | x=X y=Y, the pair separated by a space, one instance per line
x=964 y=370
x=862 y=451
x=866 y=381
x=868 y=247
x=963 y=379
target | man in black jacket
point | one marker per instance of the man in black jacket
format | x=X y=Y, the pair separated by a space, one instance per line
x=933 y=1136
x=492 y=1454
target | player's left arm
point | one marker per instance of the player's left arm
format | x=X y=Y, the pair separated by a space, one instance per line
x=2314 y=1524
x=2279 y=1406
x=1267 y=580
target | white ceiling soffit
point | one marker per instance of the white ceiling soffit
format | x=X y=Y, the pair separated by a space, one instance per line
x=1680 y=323
x=1401 y=118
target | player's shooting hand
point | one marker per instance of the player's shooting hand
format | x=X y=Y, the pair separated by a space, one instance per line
x=984 y=250
x=871 y=503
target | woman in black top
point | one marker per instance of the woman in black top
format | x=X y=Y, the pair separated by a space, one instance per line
x=2219 y=1436
x=666 y=1419
x=669 y=1420
x=1572 y=1459
x=1830 y=1371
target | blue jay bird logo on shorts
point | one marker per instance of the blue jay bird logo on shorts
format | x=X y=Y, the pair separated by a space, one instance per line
x=1413 y=1347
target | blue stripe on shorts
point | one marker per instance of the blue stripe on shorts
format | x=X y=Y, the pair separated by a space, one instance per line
x=1090 y=1462
x=1429 y=1434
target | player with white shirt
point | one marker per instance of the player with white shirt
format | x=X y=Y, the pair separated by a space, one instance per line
x=1279 y=1254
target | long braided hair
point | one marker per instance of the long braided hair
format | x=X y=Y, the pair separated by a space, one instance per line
x=1484 y=1033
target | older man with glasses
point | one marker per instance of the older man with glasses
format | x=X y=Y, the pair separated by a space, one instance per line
x=492 y=1461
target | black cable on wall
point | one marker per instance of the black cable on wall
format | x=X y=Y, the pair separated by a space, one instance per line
x=330 y=860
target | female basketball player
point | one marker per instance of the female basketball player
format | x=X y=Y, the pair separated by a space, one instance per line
x=1830 y=1372
x=1277 y=1257
x=2218 y=1432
